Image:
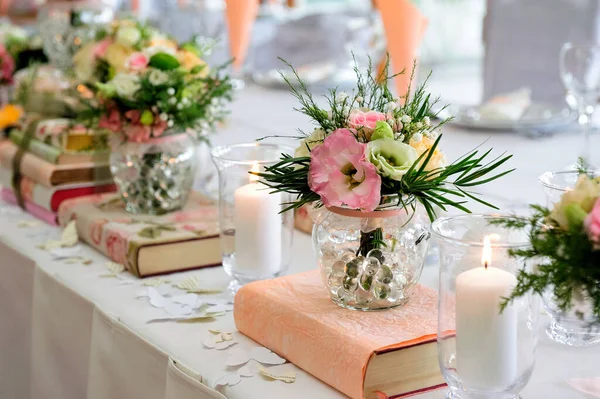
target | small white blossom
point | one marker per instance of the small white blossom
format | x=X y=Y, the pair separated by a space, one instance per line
x=341 y=97
x=172 y=101
x=391 y=122
x=158 y=77
x=180 y=106
x=397 y=100
x=359 y=99
x=390 y=106
x=171 y=91
x=170 y=123
x=419 y=125
x=185 y=101
x=164 y=116
x=416 y=138
x=405 y=119
x=399 y=137
x=427 y=121
x=214 y=101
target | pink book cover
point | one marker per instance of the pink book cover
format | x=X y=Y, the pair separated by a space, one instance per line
x=36 y=210
x=295 y=317
x=103 y=223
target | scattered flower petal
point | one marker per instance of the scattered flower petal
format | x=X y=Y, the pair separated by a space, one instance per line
x=288 y=378
x=28 y=223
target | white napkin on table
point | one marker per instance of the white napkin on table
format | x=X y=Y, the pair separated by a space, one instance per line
x=508 y=106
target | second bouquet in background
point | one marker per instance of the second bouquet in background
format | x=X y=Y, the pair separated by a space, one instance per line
x=158 y=97
x=371 y=158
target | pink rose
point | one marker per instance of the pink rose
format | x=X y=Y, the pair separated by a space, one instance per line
x=592 y=222
x=111 y=121
x=158 y=127
x=96 y=230
x=116 y=247
x=341 y=175
x=8 y=66
x=137 y=133
x=100 y=49
x=365 y=120
x=137 y=62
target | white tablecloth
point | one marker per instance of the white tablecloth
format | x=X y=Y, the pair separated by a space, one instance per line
x=68 y=333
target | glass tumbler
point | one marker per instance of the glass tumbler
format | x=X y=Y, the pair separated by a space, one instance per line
x=66 y=25
x=256 y=235
x=578 y=326
x=484 y=351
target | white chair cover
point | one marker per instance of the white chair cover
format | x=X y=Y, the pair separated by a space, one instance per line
x=16 y=294
x=523 y=39
x=60 y=344
x=122 y=364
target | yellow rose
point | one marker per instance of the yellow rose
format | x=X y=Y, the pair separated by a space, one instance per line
x=306 y=145
x=83 y=62
x=163 y=42
x=190 y=60
x=438 y=159
x=585 y=193
x=116 y=56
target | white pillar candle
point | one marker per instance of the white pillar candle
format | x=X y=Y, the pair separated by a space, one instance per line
x=258 y=229
x=486 y=340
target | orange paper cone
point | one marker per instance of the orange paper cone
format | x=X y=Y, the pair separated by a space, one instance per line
x=240 y=19
x=4 y=6
x=404 y=29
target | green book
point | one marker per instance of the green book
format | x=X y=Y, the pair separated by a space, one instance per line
x=56 y=156
x=36 y=147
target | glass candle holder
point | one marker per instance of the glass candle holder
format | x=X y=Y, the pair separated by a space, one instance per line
x=255 y=235
x=66 y=25
x=578 y=326
x=484 y=352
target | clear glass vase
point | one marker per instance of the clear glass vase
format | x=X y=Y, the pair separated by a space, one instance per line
x=155 y=177
x=371 y=261
x=578 y=326
x=256 y=236
x=484 y=352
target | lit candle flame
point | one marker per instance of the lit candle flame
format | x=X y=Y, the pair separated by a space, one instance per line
x=255 y=169
x=486 y=254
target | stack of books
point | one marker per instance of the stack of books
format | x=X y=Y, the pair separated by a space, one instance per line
x=63 y=160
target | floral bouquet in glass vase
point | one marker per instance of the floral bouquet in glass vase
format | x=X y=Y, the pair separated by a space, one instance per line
x=158 y=98
x=370 y=160
x=565 y=248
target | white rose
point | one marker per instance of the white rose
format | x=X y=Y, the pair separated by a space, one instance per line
x=316 y=138
x=128 y=36
x=158 y=77
x=126 y=84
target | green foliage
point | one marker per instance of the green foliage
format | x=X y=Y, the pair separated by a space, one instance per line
x=164 y=62
x=565 y=262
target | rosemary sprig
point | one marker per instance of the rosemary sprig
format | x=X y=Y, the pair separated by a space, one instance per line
x=566 y=262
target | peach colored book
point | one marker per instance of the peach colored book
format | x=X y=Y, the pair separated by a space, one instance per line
x=357 y=353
